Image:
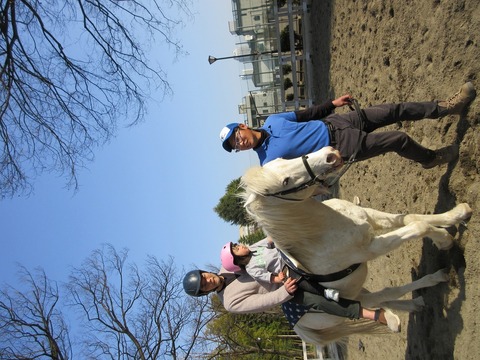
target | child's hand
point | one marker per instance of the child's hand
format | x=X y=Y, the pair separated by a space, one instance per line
x=270 y=244
x=278 y=279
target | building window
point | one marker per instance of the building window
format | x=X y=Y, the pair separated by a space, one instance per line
x=256 y=18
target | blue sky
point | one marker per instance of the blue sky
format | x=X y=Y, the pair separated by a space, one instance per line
x=152 y=189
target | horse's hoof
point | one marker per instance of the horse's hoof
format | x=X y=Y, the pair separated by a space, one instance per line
x=445 y=246
x=441 y=276
x=464 y=211
x=419 y=303
x=442 y=239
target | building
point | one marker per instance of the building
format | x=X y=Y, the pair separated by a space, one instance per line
x=272 y=31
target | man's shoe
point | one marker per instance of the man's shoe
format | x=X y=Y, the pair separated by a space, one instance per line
x=443 y=156
x=393 y=321
x=387 y=317
x=457 y=102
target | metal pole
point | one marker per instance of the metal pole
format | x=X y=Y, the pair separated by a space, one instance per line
x=212 y=59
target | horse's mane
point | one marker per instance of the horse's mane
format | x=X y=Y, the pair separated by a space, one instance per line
x=260 y=180
x=302 y=223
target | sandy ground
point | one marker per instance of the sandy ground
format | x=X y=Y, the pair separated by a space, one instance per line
x=404 y=50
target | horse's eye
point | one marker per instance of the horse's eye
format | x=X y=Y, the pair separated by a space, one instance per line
x=285 y=181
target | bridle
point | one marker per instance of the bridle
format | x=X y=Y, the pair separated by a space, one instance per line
x=315 y=179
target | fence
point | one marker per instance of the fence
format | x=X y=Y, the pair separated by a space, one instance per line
x=329 y=352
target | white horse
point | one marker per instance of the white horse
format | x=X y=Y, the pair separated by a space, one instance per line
x=330 y=236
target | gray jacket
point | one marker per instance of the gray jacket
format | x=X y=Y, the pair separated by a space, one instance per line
x=265 y=261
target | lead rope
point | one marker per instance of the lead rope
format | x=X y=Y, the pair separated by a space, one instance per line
x=352 y=159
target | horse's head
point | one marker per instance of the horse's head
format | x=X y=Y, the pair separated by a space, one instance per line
x=296 y=178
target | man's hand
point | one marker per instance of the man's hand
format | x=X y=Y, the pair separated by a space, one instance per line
x=290 y=285
x=342 y=100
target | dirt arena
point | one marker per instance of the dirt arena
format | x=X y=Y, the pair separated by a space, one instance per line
x=403 y=50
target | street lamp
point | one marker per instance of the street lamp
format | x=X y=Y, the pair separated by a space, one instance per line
x=212 y=59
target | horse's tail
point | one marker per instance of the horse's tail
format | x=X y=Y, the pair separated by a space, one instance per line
x=338 y=332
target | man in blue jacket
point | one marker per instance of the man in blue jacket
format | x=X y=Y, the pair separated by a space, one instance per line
x=293 y=134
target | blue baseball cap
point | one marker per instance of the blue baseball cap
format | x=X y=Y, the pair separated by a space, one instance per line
x=225 y=134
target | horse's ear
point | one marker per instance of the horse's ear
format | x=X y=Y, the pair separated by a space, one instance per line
x=250 y=199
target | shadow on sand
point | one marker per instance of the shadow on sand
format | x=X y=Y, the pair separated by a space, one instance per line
x=424 y=326
x=321 y=15
x=442 y=311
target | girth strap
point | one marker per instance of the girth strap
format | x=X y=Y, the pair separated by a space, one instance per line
x=320 y=278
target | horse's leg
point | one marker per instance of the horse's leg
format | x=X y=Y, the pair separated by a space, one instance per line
x=383 y=244
x=412 y=305
x=388 y=295
x=383 y=220
x=455 y=216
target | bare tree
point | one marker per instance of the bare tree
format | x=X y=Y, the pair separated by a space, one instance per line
x=70 y=70
x=31 y=324
x=247 y=336
x=136 y=315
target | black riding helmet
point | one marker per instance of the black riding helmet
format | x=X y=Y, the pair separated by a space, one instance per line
x=192 y=282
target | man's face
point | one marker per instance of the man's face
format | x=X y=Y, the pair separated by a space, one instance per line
x=242 y=138
x=210 y=282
